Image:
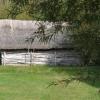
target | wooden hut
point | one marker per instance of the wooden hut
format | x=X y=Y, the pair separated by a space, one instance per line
x=15 y=49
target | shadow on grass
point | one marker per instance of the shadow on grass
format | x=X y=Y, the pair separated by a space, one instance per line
x=88 y=74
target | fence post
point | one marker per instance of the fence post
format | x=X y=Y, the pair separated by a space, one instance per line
x=25 y=58
x=30 y=58
x=55 y=59
x=0 y=58
x=3 y=58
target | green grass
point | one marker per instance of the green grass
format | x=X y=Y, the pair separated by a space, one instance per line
x=30 y=83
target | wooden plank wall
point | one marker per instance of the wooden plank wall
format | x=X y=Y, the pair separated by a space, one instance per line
x=47 y=57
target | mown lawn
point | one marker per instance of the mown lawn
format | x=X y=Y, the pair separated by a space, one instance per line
x=31 y=83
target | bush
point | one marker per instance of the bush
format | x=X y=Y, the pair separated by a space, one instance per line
x=86 y=40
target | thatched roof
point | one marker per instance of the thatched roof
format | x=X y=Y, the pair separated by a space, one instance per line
x=13 y=34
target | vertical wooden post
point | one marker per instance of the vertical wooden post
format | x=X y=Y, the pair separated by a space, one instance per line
x=25 y=58
x=55 y=59
x=0 y=58
x=30 y=58
x=3 y=58
x=55 y=51
x=33 y=56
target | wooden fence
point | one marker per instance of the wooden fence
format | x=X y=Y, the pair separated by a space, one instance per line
x=48 y=57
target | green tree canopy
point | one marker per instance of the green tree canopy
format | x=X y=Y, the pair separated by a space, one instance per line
x=57 y=10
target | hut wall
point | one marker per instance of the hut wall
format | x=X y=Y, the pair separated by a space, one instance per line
x=48 y=57
x=13 y=36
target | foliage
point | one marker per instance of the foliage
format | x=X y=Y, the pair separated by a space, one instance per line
x=86 y=40
x=3 y=9
x=82 y=15
x=85 y=15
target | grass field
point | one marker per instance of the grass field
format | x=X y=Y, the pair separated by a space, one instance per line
x=31 y=83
